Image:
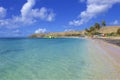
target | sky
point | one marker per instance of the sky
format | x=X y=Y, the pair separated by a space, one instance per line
x=21 y=18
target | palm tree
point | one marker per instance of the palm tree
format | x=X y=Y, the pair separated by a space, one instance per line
x=97 y=26
x=92 y=29
x=86 y=30
x=103 y=23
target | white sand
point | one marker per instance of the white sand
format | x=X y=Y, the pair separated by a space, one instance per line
x=106 y=60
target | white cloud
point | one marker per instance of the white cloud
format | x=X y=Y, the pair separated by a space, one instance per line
x=94 y=8
x=116 y=22
x=43 y=14
x=40 y=30
x=2 y=12
x=31 y=15
x=51 y=16
x=26 y=9
x=28 y=16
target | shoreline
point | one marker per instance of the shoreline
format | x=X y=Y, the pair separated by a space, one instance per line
x=106 y=58
x=114 y=41
x=112 y=51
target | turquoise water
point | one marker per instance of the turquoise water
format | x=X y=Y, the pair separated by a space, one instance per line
x=49 y=59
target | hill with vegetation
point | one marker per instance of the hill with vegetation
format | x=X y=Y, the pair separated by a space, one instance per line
x=58 y=34
x=102 y=30
x=96 y=29
x=106 y=30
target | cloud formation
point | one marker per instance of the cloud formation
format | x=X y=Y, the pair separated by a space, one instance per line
x=31 y=15
x=28 y=15
x=41 y=30
x=26 y=9
x=43 y=14
x=94 y=8
x=115 y=22
x=2 y=12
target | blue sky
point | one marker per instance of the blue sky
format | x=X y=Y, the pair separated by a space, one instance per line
x=24 y=17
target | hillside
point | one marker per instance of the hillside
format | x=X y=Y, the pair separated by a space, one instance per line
x=105 y=30
x=109 y=29
x=59 y=34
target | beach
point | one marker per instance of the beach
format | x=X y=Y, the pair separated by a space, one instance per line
x=115 y=40
x=110 y=52
x=112 y=47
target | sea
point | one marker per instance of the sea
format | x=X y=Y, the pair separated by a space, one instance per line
x=51 y=59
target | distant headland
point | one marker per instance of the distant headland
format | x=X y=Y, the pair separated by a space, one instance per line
x=97 y=30
x=107 y=30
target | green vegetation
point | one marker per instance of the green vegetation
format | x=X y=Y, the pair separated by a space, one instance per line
x=97 y=26
x=101 y=30
x=93 y=30
x=103 y=23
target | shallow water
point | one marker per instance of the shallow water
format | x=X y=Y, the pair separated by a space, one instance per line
x=53 y=59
